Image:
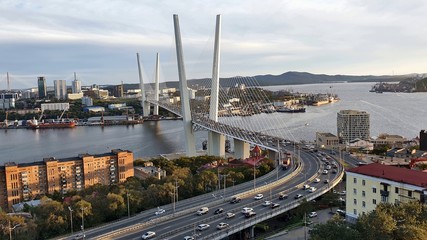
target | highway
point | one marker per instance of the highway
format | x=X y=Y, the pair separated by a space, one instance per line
x=185 y=221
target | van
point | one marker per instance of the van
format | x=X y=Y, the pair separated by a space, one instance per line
x=202 y=211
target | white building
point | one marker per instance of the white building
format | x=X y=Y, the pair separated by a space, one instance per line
x=352 y=124
x=60 y=87
x=87 y=101
x=7 y=100
x=76 y=86
x=55 y=106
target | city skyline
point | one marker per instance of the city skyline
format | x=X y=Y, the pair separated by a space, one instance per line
x=99 y=41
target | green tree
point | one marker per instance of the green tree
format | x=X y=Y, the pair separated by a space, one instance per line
x=50 y=218
x=336 y=228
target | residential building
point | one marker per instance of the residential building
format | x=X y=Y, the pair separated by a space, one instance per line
x=41 y=83
x=391 y=140
x=60 y=87
x=8 y=99
x=118 y=91
x=87 y=101
x=352 y=124
x=327 y=140
x=423 y=140
x=76 y=86
x=23 y=182
x=369 y=185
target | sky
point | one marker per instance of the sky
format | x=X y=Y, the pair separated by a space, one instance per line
x=99 y=39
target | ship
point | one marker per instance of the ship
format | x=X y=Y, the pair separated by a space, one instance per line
x=291 y=109
x=34 y=124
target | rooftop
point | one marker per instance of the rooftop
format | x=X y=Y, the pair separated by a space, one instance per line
x=396 y=174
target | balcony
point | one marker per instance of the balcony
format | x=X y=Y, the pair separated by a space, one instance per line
x=384 y=193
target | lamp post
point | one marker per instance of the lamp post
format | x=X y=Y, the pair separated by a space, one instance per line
x=12 y=228
x=127 y=197
x=83 y=223
x=254 y=177
x=71 y=219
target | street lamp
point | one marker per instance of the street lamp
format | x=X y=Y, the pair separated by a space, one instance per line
x=71 y=219
x=83 y=223
x=12 y=228
x=127 y=196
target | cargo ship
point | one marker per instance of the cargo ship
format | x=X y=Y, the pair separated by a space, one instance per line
x=34 y=124
x=291 y=109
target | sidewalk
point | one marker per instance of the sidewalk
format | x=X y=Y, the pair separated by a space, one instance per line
x=298 y=234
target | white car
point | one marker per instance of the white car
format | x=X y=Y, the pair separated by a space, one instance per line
x=305 y=187
x=312 y=214
x=203 y=226
x=202 y=211
x=267 y=203
x=160 y=211
x=246 y=210
x=312 y=189
x=148 y=235
x=325 y=172
x=229 y=215
x=189 y=238
x=316 y=180
x=222 y=225
x=258 y=196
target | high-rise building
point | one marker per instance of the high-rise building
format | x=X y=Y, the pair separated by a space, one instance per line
x=118 y=91
x=41 y=83
x=423 y=140
x=23 y=182
x=60 y=87
x=352 y=124
x=77 y=86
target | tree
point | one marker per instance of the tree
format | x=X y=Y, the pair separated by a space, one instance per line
x=336 y=228
x=50 y=218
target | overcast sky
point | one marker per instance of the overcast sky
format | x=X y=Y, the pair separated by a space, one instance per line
x=99 y=39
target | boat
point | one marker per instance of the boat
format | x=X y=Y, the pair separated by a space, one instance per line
x=34 y=124
x=291 y=109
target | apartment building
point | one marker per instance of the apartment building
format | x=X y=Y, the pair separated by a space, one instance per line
x=23 y=182
x=352 y=124
x=374 y=183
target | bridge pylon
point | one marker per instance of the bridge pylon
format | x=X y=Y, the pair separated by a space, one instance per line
x=190 y=147
x=145 y=105
x=216 y=141
x=156 y=85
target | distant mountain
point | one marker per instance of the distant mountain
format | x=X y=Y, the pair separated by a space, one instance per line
x=287 y=78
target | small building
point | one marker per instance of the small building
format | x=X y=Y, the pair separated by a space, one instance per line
x=360 y=144
x=94 y=109
x=371 y=184
x=387 y=139
x=326 y=140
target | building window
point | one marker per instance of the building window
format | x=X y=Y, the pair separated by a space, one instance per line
x=363 y=204
x=354 y=191
x=363 y=182
x=355 y=201
x=374 y=190
x=409 y=193
x=354 y=180
x=396 y=190
x=355 y=211
x=374 y=201
x=363 y=194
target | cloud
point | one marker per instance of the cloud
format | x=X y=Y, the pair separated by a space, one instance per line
x=100 y=38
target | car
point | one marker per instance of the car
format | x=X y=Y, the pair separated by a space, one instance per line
x=316 y=180
x=334 y=171
x=309 y=222
x=274 y=205
x=341 y=212
x=298 y=196
x=342 y=193
x=235 y=200
x=312 y=214
x=328 y=167
x=202 y=211
x=246 y=210
x=266 y=203
x=222 y=225
x=160 y=211
x=312 y=189
x=306 y=186
x=283 y=196
x=79 y=236
x=148 y=235
x=250 y=214
x=189 y=238
x=258 y=196
x=326 y=181
x=219 y=210
x=325 y=172
x=229 y=215
x=203 y=226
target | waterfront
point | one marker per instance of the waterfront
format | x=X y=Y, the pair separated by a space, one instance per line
x=393 y=113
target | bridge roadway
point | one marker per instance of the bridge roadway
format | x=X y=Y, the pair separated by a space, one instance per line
x=203 y=122
x=185 y=220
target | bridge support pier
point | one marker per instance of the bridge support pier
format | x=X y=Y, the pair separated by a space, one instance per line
x=216 y=144
x=252 y=232
x=241 y=149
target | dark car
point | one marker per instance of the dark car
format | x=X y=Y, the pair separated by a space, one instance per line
x=219 y=210
x=235 y=200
